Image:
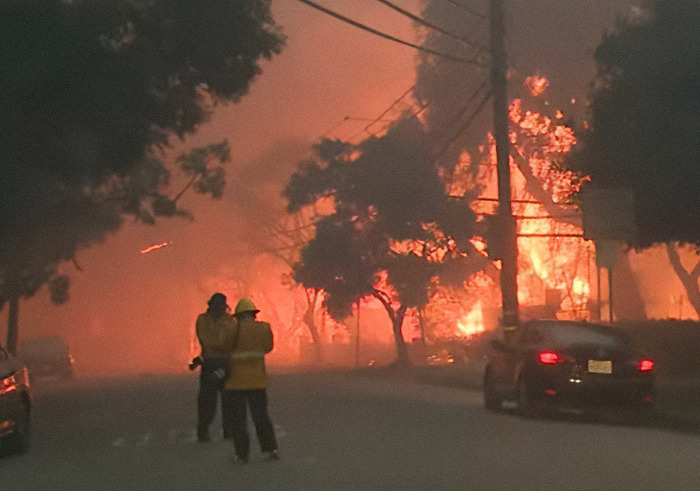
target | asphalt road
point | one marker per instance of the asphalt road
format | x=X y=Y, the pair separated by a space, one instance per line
x=335 y=431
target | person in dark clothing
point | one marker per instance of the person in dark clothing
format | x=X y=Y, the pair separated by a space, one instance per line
x=215 y=331
x=246 y=386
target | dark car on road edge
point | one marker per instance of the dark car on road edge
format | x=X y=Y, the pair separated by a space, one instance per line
x=15 y=404
x=568 y=365
x=46 y=356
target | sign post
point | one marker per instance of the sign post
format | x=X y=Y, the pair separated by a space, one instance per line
x=608 y=220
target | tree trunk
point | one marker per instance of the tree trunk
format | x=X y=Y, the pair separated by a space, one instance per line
x=401 y=348
x=311 y=324
x=421 y=324
x=13 y=326
x=396 y=324
x=689 y=279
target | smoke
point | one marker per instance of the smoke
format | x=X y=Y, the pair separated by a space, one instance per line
x=135 y=312
x=551 y=38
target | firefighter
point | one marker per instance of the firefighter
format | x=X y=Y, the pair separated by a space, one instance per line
x=215 y=330
x=246 y=386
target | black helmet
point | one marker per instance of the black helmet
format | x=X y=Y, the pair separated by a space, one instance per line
x=218 y=299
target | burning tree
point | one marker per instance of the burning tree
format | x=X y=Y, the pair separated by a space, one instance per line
x=553 y=255
x=644 y=128
x=405 y=257
x=90 y=90
x=392 y=214
x=553 y=259
x=453 y=276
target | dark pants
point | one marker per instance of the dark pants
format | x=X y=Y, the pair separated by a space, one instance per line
x=210 y=386
x=238 y=402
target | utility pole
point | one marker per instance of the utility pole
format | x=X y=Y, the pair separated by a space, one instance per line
x=506 y=221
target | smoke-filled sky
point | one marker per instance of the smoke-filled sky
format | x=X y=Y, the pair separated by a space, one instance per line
x=136 y=312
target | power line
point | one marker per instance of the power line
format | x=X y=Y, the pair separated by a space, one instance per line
x=372 y=121
x=334 y=127
x=378 y=118
x=467 y=9
x=389 y=37
x=432 y=26
x=438 y=155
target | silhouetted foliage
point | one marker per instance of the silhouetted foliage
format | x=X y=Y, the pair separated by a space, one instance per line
x=387 y=190
x=644 y=125
x=413 y=277
x=342 y=261
x=87 y=90
x=311 y=181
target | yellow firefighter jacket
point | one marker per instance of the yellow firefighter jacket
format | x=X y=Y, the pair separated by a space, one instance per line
x=253 y=342
x=215 y=334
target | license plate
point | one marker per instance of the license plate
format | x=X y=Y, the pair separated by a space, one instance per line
x=599 y=366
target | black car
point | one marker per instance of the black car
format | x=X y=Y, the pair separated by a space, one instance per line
x=568 y=365
x=46 y=356
x=15 y=404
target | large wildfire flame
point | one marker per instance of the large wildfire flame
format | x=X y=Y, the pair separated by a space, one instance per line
x=555 y=262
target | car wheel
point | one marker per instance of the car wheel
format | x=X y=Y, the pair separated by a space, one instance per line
x=18 y=440
x=492 y=402
x=527 y=407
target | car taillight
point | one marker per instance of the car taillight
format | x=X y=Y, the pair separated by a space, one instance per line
x=8 y=384
x=549 y=357
x=645 y=365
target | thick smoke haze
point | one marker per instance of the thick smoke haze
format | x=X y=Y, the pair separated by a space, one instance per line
x=135 y=312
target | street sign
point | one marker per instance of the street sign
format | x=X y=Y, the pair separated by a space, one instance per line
x=606 y=253
x=608 y=214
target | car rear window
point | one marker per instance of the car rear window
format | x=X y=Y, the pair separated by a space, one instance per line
x=567 y=335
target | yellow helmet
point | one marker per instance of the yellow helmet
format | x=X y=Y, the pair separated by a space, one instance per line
x=245 y=304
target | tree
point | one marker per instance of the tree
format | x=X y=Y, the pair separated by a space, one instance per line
x=288 y=237
x=644 y=127
x=392 y=215
x=89 y=90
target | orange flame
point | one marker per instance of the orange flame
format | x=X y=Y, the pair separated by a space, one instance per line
x=536 y=85
x=473 y=322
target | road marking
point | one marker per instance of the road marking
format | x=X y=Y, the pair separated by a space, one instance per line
x=177 y=436
x=144 y=440
x=191 y=436
x=119 y=442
